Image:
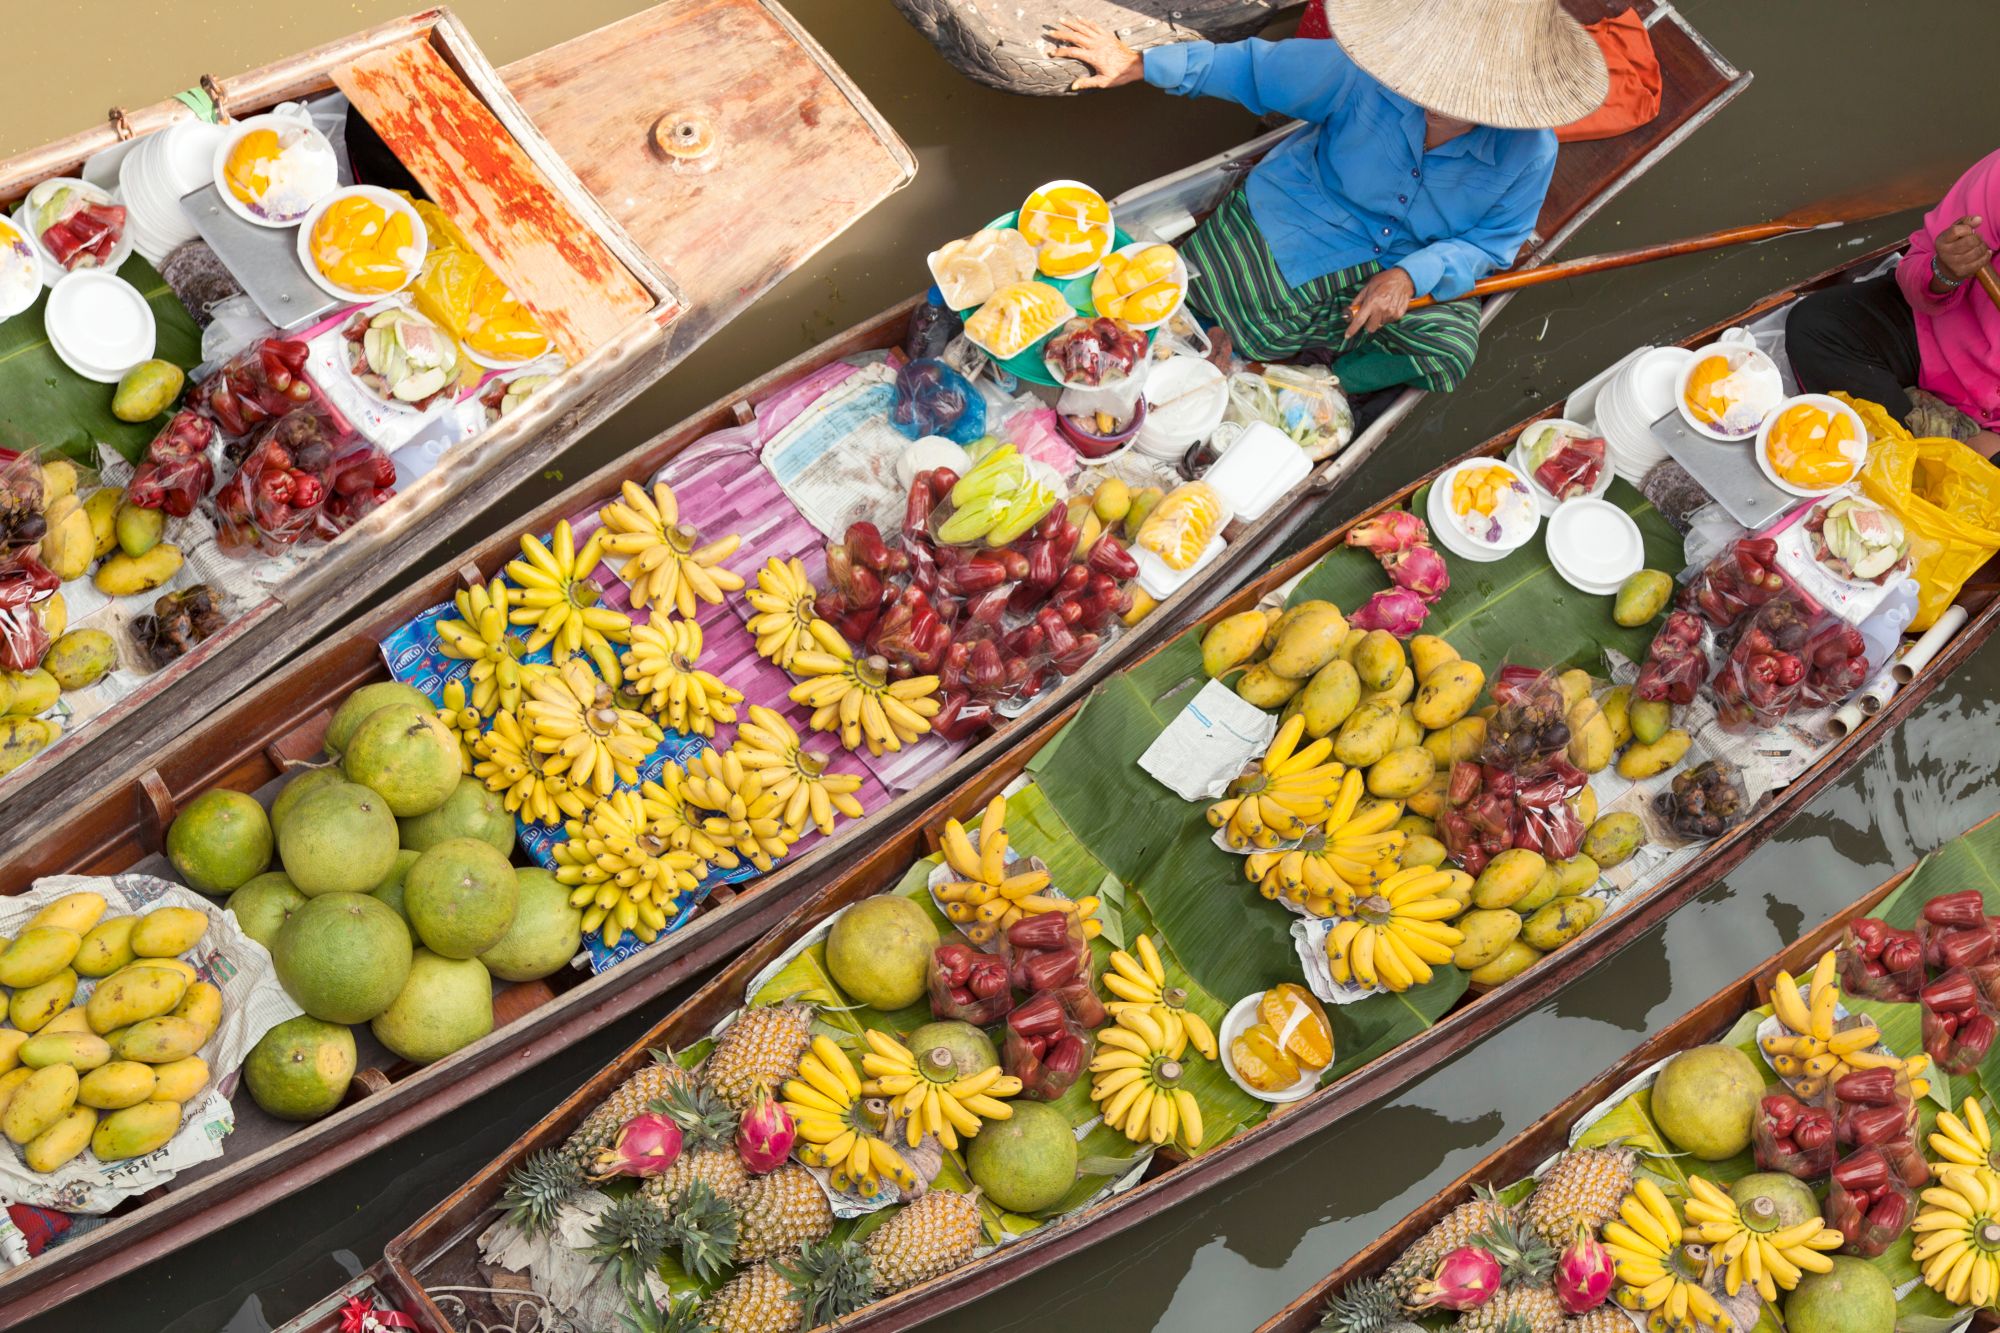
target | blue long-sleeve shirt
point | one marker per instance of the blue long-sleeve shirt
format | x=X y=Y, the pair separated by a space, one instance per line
x=1355 y=183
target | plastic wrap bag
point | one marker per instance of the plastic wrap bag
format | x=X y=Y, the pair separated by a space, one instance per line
x=24 y=639
x=968 y=986
x=931 y=328
x=1183 y=524
x=176 y=473
x=1044 y=1047
x=1089 y=353
x=934 y=399
x=1047 y=953
x=1518 y=791
x=1876 y=1108
x=1792 y=1136
x=468 y=300
x=1948 y=498
x=1763 y=678
x=1305 y=402
x=1744 y=577
x=260 y=383
x=1705 y=801
x=1959 y=1024
x=1868 y=1203
x=300 y=479
x=21 y=520
x=1675 y=664
x=1000 y=500
x=1880 y=962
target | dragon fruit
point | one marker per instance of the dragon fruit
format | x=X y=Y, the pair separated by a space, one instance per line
x=1420 y=569
x=1388 y=533
x=764 y=1136
x=1398 y=610
x=646 y=1146
x=1583 y=1274
x=1465 y=1278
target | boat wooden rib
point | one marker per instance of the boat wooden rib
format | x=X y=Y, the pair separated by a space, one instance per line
x=267 y=721
x=438 y=1250
x=1521 y=1155
x=683 y=251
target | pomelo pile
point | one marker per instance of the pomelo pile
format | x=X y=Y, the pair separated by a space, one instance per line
x=383 y=887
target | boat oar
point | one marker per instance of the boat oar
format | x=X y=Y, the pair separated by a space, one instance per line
x=1844 y=211
x=1990 y=282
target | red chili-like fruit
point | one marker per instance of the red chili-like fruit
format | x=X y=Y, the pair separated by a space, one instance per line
x=1871 y=1087
x=1963 y=908
x=1863 y=1172
x=1043 y=930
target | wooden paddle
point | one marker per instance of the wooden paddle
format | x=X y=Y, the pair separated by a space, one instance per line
x=1847 y=210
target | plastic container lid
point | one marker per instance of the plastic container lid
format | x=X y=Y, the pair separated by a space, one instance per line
x=1595 y=545
x=1258 y=469
x=99 y=325
x=1187 y=397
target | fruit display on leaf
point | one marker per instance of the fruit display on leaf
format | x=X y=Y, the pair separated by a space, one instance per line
x=1136 y=1077
x=1139 y=978
x=930 y=1094
x=857 y=697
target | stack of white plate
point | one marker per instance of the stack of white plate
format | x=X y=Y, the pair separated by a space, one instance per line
x=1595 y=545
x=153 y=176
x=99 y=325
x=1630 y=402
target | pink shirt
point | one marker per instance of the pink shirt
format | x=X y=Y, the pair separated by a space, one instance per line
x=1958 y=334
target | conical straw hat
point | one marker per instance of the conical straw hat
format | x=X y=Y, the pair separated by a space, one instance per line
x=1512 y=64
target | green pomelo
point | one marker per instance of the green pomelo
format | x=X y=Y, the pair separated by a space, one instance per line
x=545 y=934
x=341 y=838
x=301 y=1068
x=343 y=957
x=264 y=905
x=220 y=841
x=1027 y=1162
x=461 y=896
x=406 y=754
x=471 y=811
x=1705 y=1099
x=390 y=890
x=970 y=1049
x=447 y=1003
x=879 y=951
x=1854 y=1297
x=364 y=701
x=300 y=787
x=1773 y=1201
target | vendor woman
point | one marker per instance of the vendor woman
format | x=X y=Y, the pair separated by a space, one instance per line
x=1923 y=340
x=1421 y=167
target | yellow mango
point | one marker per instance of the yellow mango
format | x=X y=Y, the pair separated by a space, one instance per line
x=1617 y=707
x=1401 y=773
x=1429 y=800
x=120 y=1084
x=159 y=1041
x=1539 y=896
x=38 y=953
x=121 y=575
x=1232 y=641
x=56 y=1145
x=11 y=1042
x=178 y=1080
x=1329 y=697
x=73 y=1019
x=1574 y=876
x=133 y=995
x=1262 y=687
x=1398 y=691
x=201 y=1006
x=73 y=911
x=1460 y=888
x=39 y=1102
x=1309 y=642
x=1457 y=743
x=1487 y=932
x=1509 y=963
x=135 y=1131
x=1421 y=849
x=1508 y=878
x=1428 y=652
x=1592 y=742
x=1379 y=659
x=1448 y=693
x=107 y=947
x=167 y=932
x=31 y=1008
x=1644 y=761
x=84 y=1051
x=1368 y=733
x=1575 y=685
x=10 y=1082
x=1612 y=839
x=1560 y=922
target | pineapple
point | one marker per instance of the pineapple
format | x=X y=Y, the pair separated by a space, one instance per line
x=1604 y=1319
x=599 y=1129
x=1582 y=1190
x=935 y=1234
x=1532 y=1306
x=1366 y=1307
x=1457 y=1228
x=632 y=1235
x=780 y=1212
x=761 y=1299
x=676 y=1316
x=708 y=1149
x=704 y=1225
x=759 y=1051
x=538 y=1188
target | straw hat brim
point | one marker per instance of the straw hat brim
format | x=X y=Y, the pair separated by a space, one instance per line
x=1511 y=64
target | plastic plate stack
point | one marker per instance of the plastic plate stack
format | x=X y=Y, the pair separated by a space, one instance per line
x=1640 y=393
x=153 y=176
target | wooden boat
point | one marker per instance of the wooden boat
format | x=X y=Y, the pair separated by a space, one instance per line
x=685 y=251
x=1520 y=1156
x=438 y=1250
x=271 y=722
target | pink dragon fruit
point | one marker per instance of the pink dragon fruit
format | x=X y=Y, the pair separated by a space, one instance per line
x=646 y=1146
x=1398 y=610
x=1583 y=1274
x=764 y=1136
x=1467 y=1277
x=1420 y=569
x=1386 y=534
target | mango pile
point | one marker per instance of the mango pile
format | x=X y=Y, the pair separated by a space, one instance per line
x=114 y=1073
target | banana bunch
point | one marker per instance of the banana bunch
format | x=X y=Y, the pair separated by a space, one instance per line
x=930 y=1095
x=1346 y=859
x=785 y=601
x=986 y=899
x=1958 y=1235
x=559 y=600
x=670 y=815
x=1141 y=982
x=1136 y=1077
x=624 y=877
x=1396 y=934
x=855 y=696
x=748 y=817
x=1768 y=1260
x=1812 y=1053
x=836 y=1130
x=1654 y=1273
x=483 y=636
x=1963 y=1139
x=669 y=567
x=1290 y=791
x=572 y=718
x=463 y=721
x=661 y=666
x=796 y=776
x=507 y=761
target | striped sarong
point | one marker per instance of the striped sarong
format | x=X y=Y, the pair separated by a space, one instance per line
x=1238 y=285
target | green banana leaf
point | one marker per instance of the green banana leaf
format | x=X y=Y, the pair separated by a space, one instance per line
x=1516 y=609
x=47 y=408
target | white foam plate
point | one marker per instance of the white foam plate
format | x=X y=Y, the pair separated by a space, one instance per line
x=1858 y=451
x=1595 y=545
x=99 y=325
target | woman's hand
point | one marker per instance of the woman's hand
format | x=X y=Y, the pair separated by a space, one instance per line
x=1384 y=300
x=1110 y=60
x=1960 y=251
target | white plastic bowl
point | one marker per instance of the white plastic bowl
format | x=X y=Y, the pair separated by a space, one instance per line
x=1241 y=1015
x=30 y=287
x=394 y=203
x=1741 y=351
x=1857 y=450
x=220 y=166
x=1186 y=397
x=52 y=272
x=1179 y=277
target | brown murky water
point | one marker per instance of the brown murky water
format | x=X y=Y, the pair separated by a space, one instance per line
x=1819 y=121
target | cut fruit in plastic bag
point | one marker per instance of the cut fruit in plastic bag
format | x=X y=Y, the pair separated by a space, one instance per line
x=1070 y=227
x=1093 y=352
x=467 y=298
x=998 y=501
x=1182 y=525
x=1017 y=317
x=176 y=473
x=971 y=269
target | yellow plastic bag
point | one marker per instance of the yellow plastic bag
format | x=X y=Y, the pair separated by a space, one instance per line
x=1948 y=498
x=459 y=292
